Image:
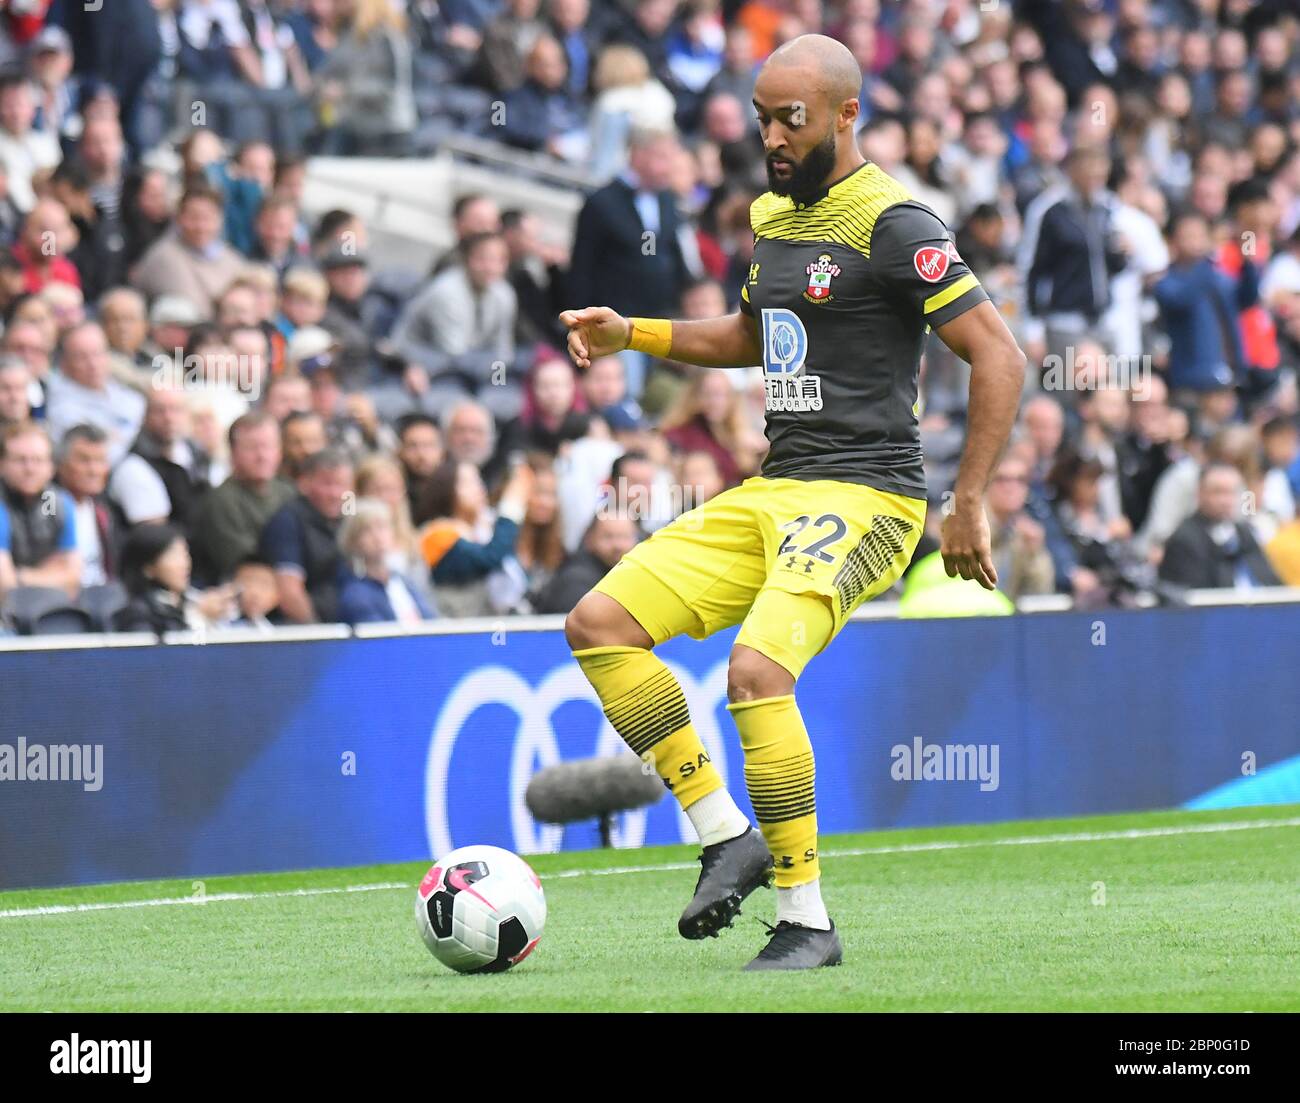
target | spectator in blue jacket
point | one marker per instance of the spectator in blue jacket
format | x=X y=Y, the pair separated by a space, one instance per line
x=316 y=28
x=237 y=181
x=541 y=114
x=372 y=589
x=469 y=547
x=1200 y=304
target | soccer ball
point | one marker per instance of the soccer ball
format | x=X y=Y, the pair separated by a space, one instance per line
x=481 y=909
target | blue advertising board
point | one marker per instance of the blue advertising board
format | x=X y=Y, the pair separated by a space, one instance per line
x=227 y=758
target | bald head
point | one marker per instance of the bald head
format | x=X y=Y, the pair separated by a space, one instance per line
x=823 y=63
x=806 y=96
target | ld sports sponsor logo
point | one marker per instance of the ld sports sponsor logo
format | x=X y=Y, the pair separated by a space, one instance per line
x=536 y=745
x=785 y=348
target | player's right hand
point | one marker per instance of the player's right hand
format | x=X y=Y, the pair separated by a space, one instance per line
x=594 y=332
x=967 y=547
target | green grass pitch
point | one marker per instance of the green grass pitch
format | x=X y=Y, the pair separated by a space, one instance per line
x=1162 y=911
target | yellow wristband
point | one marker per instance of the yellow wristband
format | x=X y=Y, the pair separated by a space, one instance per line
x=651 y=335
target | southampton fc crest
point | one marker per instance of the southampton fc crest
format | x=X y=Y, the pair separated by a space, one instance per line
x=820 y=274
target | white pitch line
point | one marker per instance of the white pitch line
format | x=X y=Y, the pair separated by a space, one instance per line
x=1076 y=837
x=210 y=898
x=965 y=844
x=672 y=867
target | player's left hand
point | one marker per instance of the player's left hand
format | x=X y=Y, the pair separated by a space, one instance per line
x=967 y=548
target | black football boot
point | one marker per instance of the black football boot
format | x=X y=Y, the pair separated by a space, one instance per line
x=731 y=871
x=793 y=946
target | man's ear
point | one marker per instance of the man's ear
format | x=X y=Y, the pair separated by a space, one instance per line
x=849 y=112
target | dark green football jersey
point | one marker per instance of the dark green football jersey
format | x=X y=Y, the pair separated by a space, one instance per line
x=844 y=290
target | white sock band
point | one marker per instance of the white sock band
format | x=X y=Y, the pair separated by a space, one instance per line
x=716 y=818
x=802 y=904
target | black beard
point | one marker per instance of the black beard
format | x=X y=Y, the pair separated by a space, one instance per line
x=809 y=174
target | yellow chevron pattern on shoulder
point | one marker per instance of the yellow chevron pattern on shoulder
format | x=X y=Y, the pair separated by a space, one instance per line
x=844 y=216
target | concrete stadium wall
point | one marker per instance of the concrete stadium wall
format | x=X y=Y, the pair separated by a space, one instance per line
x=406 y=204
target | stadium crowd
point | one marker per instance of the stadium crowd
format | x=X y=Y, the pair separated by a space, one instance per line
x=217 y=407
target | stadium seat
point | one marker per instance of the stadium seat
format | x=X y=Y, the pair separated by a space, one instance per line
x=45 y=611
x=101 y=602
x=68 y=621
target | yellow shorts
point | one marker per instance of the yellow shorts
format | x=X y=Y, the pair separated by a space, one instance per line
x=703 y=572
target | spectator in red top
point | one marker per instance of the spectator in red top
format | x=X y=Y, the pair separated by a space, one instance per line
x=708 y=417
x=552 y=413
x=1256 y=217
x=23 y=21
x=48 y=236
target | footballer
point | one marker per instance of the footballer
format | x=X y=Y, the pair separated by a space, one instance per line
x=849 y=275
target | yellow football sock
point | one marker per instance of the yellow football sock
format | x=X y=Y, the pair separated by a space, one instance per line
x=779 y=774
x=646 y=706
